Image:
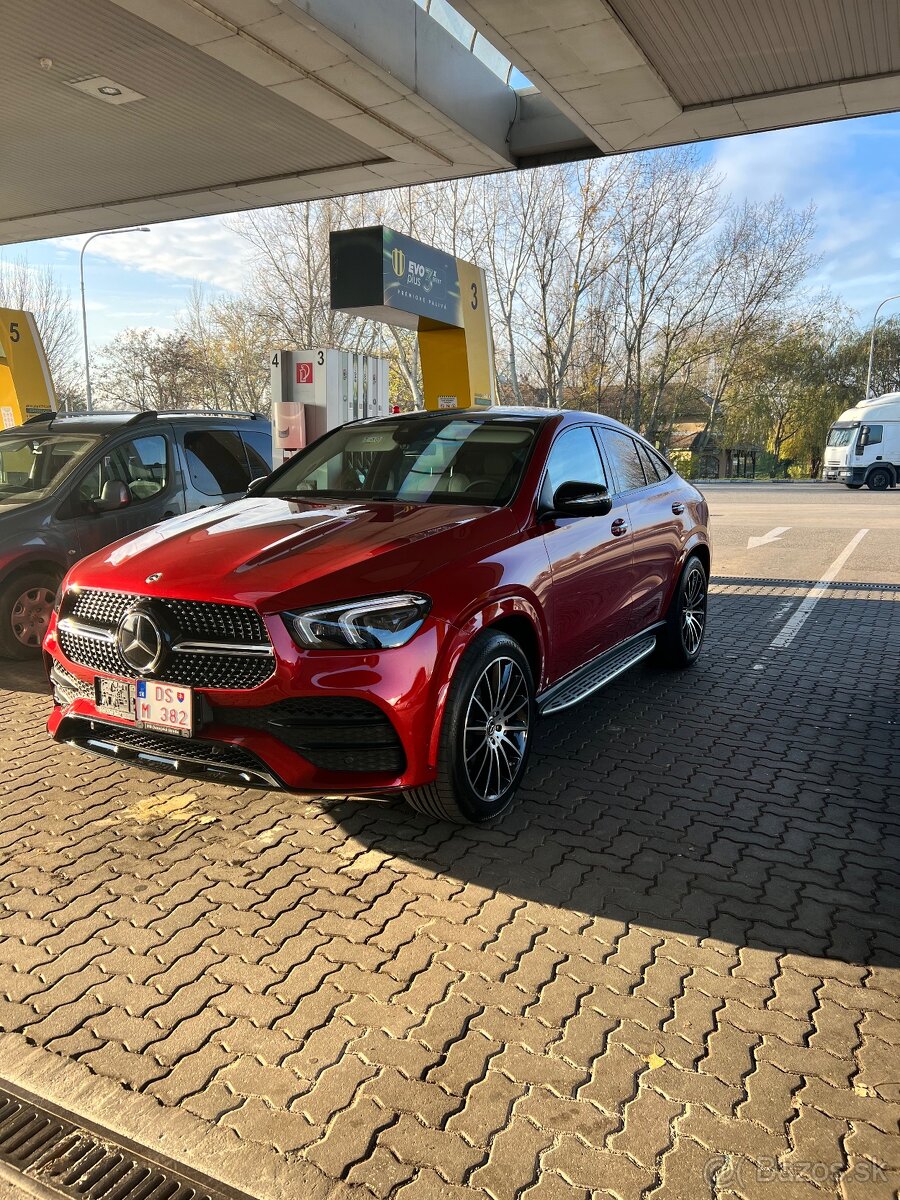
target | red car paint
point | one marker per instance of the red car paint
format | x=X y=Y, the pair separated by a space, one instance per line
x=572 y=588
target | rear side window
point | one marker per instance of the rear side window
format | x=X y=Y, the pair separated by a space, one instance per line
x=654 y=467
x=259 y=452
x=216 y=461
x=625 y=460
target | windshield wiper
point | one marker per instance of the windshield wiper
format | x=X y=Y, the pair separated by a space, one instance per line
x=299 y=495
x=361 y=497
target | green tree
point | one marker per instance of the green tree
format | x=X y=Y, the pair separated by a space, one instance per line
x=792 y=384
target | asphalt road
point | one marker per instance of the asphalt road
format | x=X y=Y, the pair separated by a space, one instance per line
x=817 y=522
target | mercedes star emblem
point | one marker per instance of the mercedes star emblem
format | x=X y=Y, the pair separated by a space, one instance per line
x=140 y=641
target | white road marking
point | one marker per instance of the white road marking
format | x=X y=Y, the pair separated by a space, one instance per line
x=793 y=626
x=773 y=535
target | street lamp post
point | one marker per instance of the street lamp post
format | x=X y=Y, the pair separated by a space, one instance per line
x=872 y=340
x=87 y=358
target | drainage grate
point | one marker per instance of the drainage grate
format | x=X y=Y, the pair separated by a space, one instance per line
x=832 y=584
x=68 y=1157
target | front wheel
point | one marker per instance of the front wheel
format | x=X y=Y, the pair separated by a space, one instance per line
x=681 y=639
x=26 y=605
x=879 y=480
x=486 y=734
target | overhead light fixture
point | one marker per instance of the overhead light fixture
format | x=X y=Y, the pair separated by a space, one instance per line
x=107 y=90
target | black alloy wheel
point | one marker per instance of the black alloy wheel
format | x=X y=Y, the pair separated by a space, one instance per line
x=486 y=735
x=681 y=639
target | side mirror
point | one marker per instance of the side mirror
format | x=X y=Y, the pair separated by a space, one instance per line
x=255 y=485
x=863 y=439
x=581 y=500
x=114 y=495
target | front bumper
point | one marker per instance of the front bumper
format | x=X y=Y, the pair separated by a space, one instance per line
x=322 y=722
x=843 y=474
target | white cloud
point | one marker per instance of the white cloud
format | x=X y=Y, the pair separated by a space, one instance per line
x=788 y=162
x=849 y=170
x=202 y=248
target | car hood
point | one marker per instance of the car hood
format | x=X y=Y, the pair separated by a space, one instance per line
x=275 y=553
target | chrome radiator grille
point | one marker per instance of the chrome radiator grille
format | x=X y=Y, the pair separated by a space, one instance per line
x=213 y=645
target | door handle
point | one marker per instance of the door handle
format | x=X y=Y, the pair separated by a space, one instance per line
x=677 y=507
x=618 y=527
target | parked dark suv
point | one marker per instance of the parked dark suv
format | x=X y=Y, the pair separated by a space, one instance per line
x=70 y=485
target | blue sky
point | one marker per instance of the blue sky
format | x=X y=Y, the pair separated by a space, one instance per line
x=850 y=169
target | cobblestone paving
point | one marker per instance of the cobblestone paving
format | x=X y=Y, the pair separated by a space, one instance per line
x=672 y=971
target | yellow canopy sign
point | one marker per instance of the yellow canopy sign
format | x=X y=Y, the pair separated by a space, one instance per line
x=26 y=388
x=384 y=275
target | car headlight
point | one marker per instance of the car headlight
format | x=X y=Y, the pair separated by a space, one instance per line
x=373 y=623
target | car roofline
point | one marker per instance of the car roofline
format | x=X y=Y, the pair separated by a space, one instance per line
x=112 y=420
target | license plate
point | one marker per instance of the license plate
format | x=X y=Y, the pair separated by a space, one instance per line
x=164 y=706
x=114 y=696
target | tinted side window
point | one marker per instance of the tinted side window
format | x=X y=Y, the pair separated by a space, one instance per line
x=216 y=461
x=663 y=469
x=142 y=465
x=654 y=467
x=648 y=464
x=874 y=433
x=259 y=452
x=623 y=455
x=573 y=458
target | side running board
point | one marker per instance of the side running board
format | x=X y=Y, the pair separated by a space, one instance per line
x=595 y=675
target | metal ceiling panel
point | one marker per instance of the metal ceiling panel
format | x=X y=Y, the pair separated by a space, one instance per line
x=67 y=150
x=710 y=51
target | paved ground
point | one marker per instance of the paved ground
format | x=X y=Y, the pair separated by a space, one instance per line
x=672 y=971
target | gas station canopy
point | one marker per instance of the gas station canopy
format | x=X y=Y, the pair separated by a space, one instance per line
x=122 y=112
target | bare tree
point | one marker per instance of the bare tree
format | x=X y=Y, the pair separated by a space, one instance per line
x=37 y=290
x=768 y=249
x=229 y=341
x=627 y=285
x=146 y=369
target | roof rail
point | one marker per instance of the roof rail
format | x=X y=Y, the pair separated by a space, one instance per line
x=212 y=412
x=149 y=414
x=96 y=412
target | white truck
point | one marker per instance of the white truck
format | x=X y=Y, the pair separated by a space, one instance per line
x=863 y=445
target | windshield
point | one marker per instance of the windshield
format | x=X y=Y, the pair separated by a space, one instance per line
x=437 y=461
x=841 y=435
x=33 y=464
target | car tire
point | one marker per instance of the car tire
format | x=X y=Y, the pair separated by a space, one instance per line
x=486 y=734
x=854 y=487
x=680 y=641
x=26 y=602
x=879 y=480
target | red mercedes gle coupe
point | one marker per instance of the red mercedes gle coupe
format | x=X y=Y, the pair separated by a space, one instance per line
x=390 y=611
